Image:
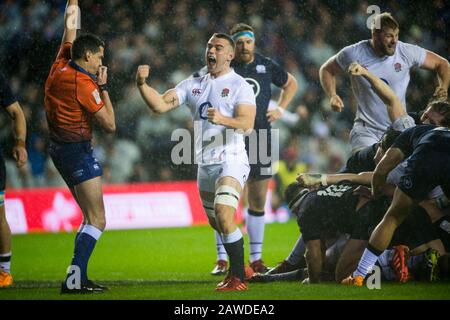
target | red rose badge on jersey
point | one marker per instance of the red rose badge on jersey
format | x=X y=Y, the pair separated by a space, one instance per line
x=225 y=92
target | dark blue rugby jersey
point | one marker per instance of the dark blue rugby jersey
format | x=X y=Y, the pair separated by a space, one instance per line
x=439 y=137
x=6 y=96
x=260 y=74
x=327 y=210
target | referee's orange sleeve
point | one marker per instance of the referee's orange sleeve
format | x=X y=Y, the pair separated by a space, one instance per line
x=88 y=95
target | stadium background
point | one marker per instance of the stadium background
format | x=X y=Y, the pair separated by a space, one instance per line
x=170 y=35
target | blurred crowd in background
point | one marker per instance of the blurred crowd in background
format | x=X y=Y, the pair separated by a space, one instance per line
x=171 y=36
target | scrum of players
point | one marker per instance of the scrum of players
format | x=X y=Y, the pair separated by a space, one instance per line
x=389 y=206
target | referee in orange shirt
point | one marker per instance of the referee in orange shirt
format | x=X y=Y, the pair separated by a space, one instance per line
x=75 y=95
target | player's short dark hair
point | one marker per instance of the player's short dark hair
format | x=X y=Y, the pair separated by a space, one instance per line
x=293 y=192
x=384 y=20
x=443 y=108
x=226 y=37
x=388 y=138
x=86 y=42
x=239 y=27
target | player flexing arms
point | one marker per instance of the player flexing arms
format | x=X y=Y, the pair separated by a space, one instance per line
x=389 y=59
x=223 y=105
x=75 y=95
x=260 y=72
x=9 y=103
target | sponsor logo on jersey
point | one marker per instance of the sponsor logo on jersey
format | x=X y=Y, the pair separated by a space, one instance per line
x=225 y=92
x=261 y=68
x=255 y=85
x=398 y=67
x=196 y=92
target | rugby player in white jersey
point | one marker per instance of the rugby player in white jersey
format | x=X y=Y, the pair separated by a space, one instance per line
x=223 y=105
x=389 y=59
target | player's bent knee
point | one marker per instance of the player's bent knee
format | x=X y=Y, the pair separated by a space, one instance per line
x=227 y=196
x=98 y=222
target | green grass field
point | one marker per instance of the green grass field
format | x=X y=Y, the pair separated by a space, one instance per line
x=173 y=264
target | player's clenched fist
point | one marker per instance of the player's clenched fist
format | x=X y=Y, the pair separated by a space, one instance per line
x=143 y=72
x=312 y=179
x=355 y=69
x=336 y=103
x=214 y=116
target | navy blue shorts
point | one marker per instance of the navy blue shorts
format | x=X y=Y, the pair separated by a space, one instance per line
x=426 y=169
x=75 y=161
x=259 y=153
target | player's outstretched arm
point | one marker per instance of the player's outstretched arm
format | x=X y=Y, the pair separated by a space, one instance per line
x=327 y=74
x=441 y=66
x=390 y=160
x=20 y=131
x=321 y=179
x=159 y=103
x=394 y=106
x=244 y=117
x=71 y=21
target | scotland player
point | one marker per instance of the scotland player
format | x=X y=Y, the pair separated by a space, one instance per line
x=223 y=104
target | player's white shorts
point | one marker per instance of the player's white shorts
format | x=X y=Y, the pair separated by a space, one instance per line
x=363 y=136
x=207 y=175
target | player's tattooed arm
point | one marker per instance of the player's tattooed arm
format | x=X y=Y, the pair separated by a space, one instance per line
x=158 y=103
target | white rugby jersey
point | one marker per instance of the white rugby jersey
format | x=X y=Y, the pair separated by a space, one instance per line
x=215 y=144
x=394 y=70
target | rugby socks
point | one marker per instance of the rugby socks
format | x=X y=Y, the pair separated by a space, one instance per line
x=5 y=262
x=367 y=261
x=80 y=229
x=221 y=252
x=297 y=255
x=234 y=245
x=83 y=249
x=255 y=229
